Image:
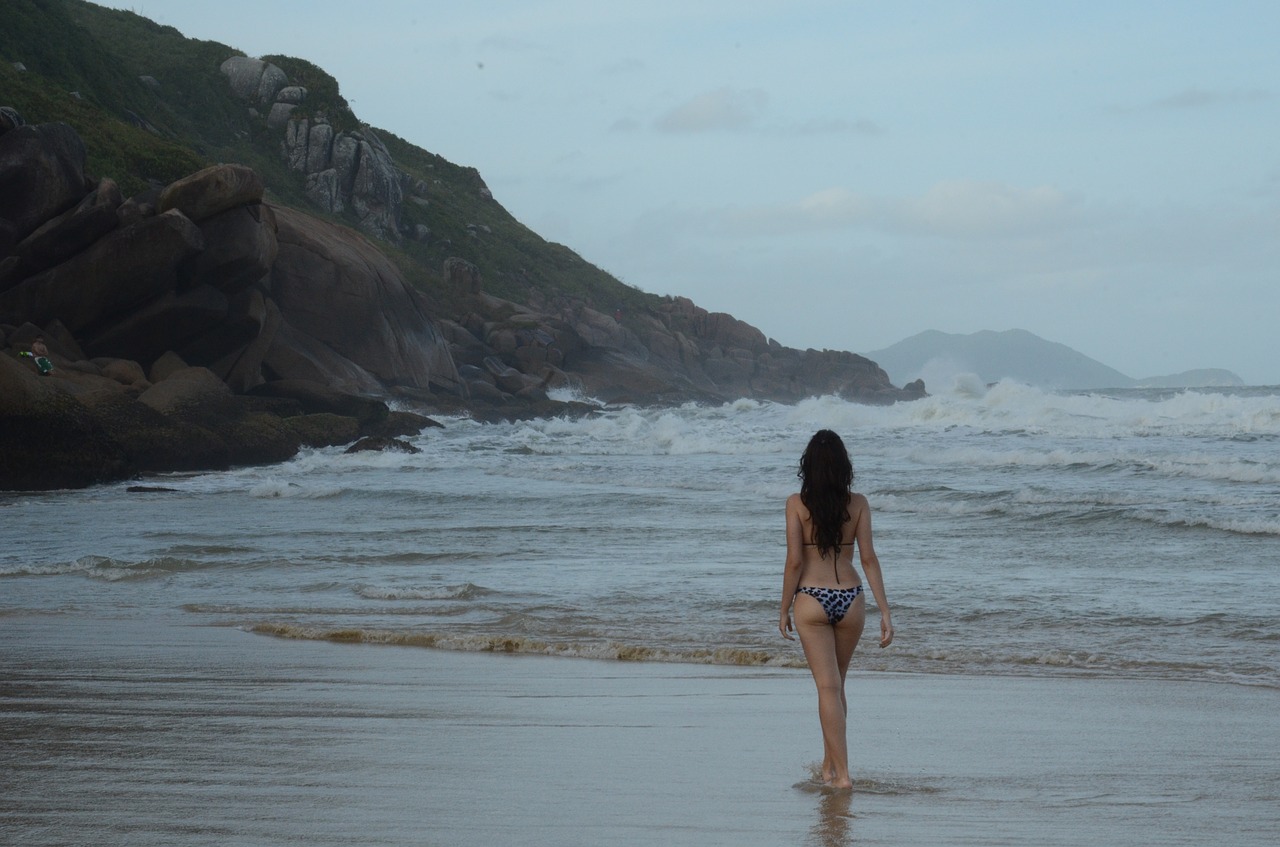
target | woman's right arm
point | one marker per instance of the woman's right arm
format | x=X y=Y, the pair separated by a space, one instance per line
x=791 y=568
x=871 y=567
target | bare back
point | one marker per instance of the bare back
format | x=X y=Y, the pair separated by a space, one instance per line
x=816 y=570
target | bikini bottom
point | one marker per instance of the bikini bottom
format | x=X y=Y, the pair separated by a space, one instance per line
x=835 y=601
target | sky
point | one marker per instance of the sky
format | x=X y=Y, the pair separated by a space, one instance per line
x=846 y=174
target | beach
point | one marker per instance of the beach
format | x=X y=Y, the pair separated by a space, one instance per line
x=564 y=632
x=136 y=732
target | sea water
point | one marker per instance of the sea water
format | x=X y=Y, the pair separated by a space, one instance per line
x=1021 y=532
x=1083 y=588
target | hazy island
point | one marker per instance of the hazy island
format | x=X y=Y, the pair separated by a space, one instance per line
x=937 y=357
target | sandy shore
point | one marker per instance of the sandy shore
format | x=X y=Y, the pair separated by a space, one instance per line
x=137 y=733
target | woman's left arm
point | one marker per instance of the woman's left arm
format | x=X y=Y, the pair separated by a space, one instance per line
x=871 y=567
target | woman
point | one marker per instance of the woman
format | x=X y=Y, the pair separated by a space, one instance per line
x=824 y=523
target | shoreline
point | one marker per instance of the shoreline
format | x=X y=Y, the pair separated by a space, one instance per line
x=752 y=658
x=141 y=731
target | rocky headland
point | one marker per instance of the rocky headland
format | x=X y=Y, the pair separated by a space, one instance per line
x=200 y=323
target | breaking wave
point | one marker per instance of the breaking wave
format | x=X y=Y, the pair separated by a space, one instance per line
x=492 y=643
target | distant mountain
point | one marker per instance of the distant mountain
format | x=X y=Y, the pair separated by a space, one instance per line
x=936 y=357
x=1199 y=378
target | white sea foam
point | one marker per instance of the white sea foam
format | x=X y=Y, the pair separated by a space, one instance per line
x=284 y=488
x=1009 y=406
x=101 y=567
x=465 y=591
x=595 y=535
x=572 y=394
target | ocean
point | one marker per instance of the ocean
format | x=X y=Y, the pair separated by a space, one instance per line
x=1021 y=532
x=1103 y=536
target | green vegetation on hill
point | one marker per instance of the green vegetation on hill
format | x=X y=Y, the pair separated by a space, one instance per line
x=141 y=133
x=516 y=262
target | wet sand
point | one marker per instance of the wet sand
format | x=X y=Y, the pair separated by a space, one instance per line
x=133 y=732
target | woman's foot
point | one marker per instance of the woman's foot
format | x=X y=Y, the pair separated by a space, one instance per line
x=828 y=772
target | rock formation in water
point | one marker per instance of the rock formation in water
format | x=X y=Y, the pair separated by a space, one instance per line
x=192 y=327
x=197 y=325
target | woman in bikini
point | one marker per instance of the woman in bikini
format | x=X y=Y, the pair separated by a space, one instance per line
x=825 y=521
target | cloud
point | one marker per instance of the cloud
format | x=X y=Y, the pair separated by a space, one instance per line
x=1198 y=98
x=740 y=110
x=837 y=126
x=950 y=209
x=723 y=110
x=623 y=66
x=969 y=207
x=505 y=44
x=625 y=125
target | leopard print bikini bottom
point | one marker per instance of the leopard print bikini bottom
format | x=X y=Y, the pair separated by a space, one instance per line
x=835 y=601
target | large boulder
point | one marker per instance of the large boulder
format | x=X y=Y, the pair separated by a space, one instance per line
x=334 y=286
x=324 y=429
x=243 y=323
x=600 y=330
x=186 y=390
x=73 y=230
x=154 y=442
x=9 y=119
x=727 y=330
x=308 y=146
x=376 y=193
x=294 y=354
x=253 y=79
x=317 y=398
x=253 y=433
x=346 y=170
x=242 y=368
x=215 y=189
x=323 y=191
x=382 y=445
x=117 y=272
x=50 y=439
x=41 y=176
x=166 y=323
x=462 y=275
x=239 y=249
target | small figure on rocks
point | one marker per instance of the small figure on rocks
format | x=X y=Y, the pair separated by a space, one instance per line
x=40 y=354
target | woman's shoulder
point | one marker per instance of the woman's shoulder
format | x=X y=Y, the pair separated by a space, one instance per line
x=796 y=506
x=857 y=502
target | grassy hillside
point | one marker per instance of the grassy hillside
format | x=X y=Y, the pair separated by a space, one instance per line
x=140 y=134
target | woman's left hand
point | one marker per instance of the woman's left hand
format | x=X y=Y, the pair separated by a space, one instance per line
x=784 y=626
x=886 y=632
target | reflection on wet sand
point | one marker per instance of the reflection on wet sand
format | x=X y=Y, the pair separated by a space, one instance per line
x=832 y=828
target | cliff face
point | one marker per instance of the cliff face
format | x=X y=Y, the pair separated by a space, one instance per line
x=205 y=321
x=659 y=351
x=205 y=269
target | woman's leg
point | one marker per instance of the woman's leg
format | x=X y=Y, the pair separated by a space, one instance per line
x=847 y=634
x=828 y=650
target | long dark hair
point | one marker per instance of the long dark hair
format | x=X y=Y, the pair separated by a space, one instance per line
x=826 y=477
